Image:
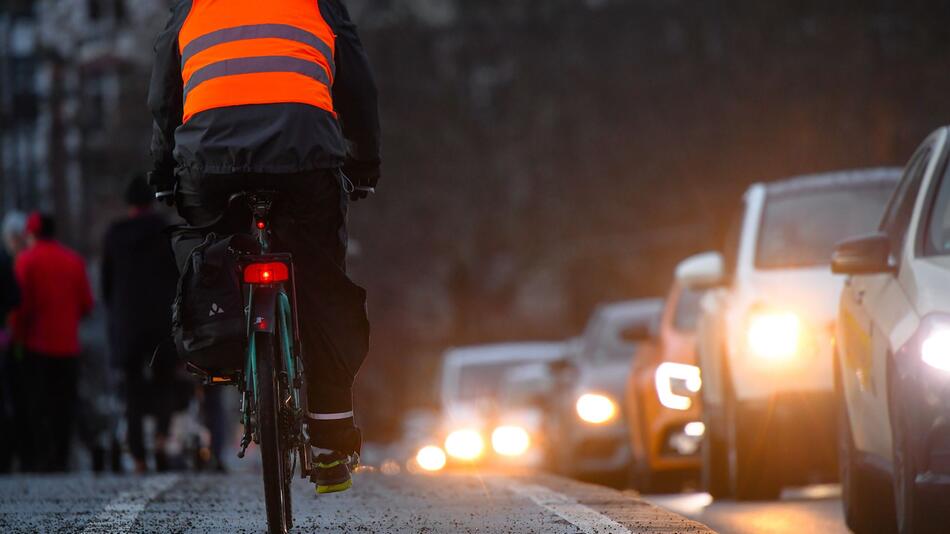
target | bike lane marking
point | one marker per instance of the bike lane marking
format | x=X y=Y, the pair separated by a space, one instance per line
x=120 y=513
x=581 y=516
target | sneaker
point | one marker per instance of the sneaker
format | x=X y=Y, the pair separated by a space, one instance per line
x=331 y=472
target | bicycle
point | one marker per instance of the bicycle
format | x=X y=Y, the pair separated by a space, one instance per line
x=271 y=382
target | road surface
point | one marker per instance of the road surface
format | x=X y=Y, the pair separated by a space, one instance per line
x=816 y=509
x=400 y=502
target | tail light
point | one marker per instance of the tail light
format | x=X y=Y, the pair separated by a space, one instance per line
x=266 y=273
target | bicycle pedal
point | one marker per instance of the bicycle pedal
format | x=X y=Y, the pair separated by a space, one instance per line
x=245 y=442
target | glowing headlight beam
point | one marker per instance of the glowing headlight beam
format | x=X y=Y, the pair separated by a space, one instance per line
x=510 y=440
x=465 y=444
x=595 y=408
x=935 y=349
x=431 y=458
x=774 y=335
x=666 y=373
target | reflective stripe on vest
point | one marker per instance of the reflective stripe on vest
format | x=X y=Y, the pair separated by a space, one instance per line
x=242 y=52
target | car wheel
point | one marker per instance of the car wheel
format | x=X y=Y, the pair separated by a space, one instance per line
x=866 y=502
x=913 y=516
x=752 y=475
x=714 y=475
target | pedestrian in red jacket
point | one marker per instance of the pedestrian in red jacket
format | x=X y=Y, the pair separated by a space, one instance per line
x=55 y=296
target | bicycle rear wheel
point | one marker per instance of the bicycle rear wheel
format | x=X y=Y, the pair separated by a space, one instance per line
x=276 y=475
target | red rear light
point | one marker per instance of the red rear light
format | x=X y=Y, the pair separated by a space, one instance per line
x=266 y=273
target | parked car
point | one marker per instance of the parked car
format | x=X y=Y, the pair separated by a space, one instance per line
x=472 y=429
x=588 y=429
x=662 y=401
x=766 y=331
x=893 y=356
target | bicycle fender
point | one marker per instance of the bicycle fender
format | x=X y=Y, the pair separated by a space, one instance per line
x=263 y=312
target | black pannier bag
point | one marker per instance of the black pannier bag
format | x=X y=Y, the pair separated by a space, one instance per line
x=208 y=321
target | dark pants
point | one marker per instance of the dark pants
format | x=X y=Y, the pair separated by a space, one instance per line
x=309 y=221
x=148 y=390
x=53 y=408
x=19 y=396
x=16 y=446
x=216 y=420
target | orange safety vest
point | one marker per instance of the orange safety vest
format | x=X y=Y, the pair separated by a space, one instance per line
x=242 y=52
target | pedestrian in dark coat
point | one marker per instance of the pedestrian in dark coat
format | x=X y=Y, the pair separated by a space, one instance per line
x=139 y=278
x=17 y=449
x=9 y=368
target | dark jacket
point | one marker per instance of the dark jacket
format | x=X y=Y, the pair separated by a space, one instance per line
x=9 y=289
x=139 y=280
x=267 y=138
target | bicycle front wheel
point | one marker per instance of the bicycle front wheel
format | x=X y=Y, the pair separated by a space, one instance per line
x=276 y=475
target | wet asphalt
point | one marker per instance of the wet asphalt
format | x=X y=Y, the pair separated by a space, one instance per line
x=394 y=502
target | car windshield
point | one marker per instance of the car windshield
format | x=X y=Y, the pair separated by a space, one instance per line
x=801 y=229
x=619 y=340
x=938 y=227
x=686 y=313
x=483 y=381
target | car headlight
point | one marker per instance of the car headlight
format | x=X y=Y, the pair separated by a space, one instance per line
x=596 y=408
x=935 y=349
x=774 y=335
x=465 y=444
x=431 y=458
x=675 y=382
x=510 y=440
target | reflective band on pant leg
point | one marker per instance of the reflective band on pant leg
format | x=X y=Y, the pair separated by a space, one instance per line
x=330 y=416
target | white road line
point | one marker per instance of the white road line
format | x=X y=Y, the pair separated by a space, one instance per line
x=120 y=514
x=583 y=517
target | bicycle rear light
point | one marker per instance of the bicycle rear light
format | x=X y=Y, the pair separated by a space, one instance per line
x=266 y=273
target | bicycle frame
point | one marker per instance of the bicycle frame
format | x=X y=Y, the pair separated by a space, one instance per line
x=270 y=308
x=273 y=410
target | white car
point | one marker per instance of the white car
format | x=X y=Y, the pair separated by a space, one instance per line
x=893 y=356
x=476 y=426
x=589 y=433
x=766 y=331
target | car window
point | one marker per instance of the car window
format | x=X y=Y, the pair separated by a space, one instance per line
x=937 y=237
x=686 y=313
x=730 y=250
x=482 y=381
x=608 y=343
x=593 y=335
x=801 y=228
x=901 y=206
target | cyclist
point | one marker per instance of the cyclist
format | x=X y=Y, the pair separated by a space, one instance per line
x=278 y=95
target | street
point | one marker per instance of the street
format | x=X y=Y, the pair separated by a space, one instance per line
x=813 y=509
x=379 y=503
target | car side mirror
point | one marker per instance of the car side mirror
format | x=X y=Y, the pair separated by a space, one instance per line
x=869 y=254
x=702 y=271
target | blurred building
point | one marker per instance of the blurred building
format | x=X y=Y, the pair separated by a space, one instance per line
x=22 y=144
x=73 y=79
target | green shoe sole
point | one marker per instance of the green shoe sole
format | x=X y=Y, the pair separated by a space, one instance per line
x=334 y=488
